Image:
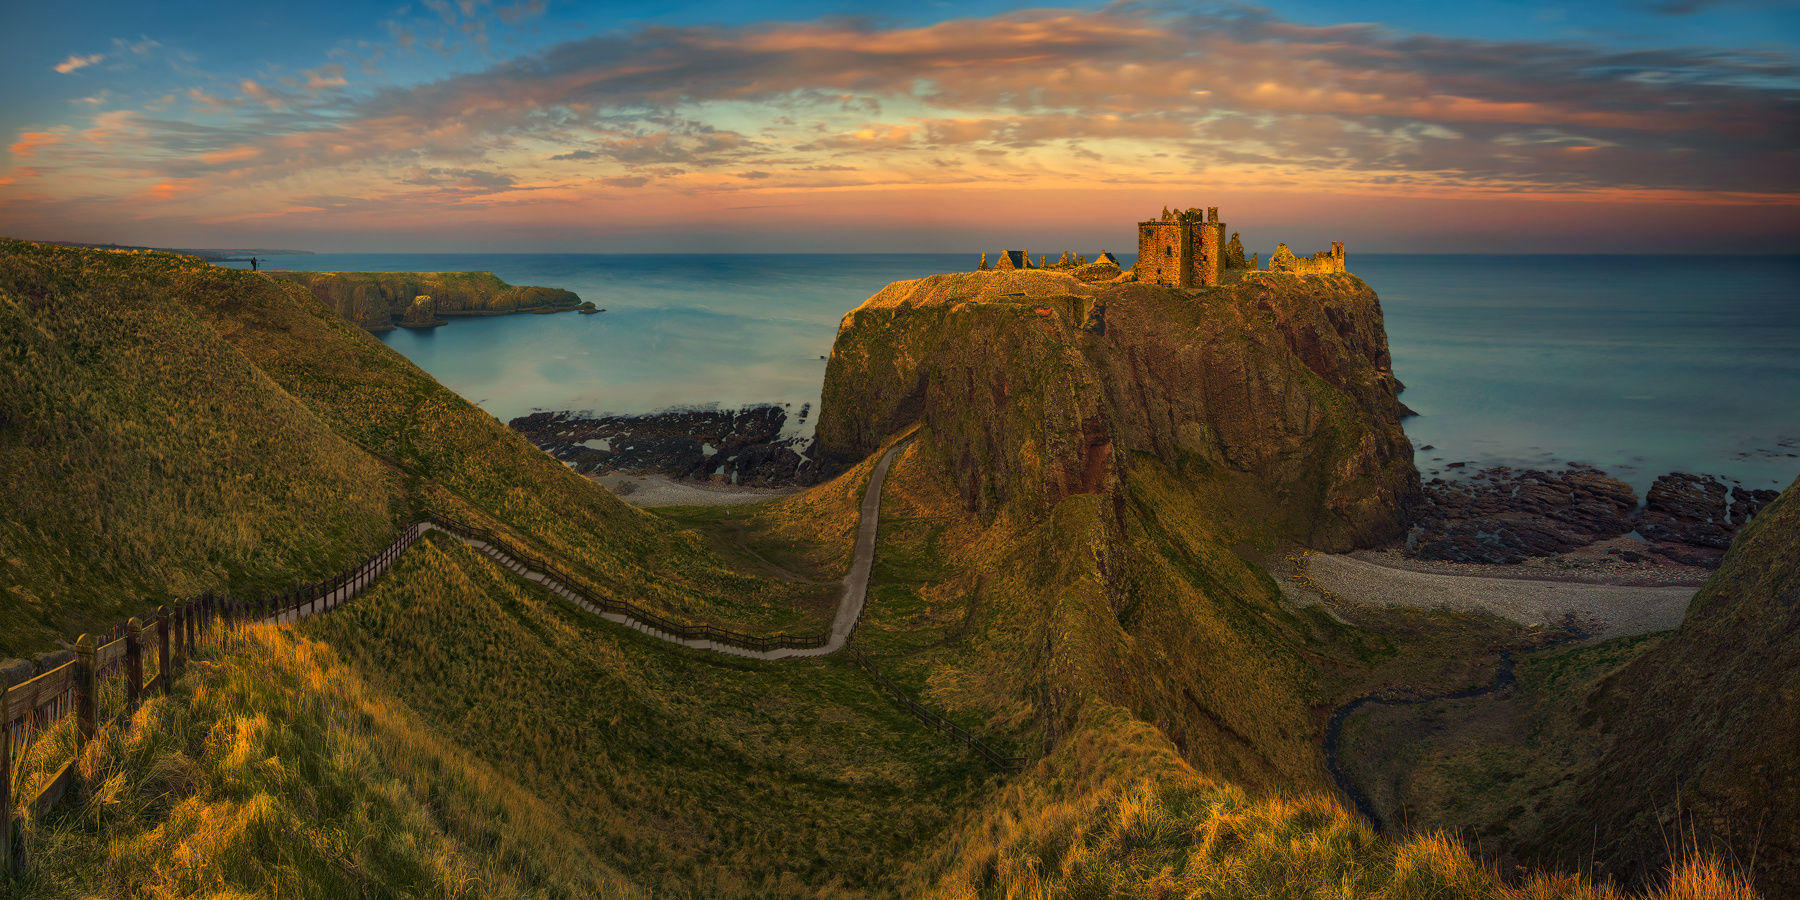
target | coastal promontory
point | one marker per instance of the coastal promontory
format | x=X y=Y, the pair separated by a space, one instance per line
x=380 y=300
x=1278 y=388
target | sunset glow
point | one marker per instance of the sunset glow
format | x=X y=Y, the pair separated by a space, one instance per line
x=517 y=127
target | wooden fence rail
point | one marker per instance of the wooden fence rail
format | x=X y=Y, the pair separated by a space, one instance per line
x=30 y=708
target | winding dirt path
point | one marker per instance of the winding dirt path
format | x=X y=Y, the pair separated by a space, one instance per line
x=851 y=598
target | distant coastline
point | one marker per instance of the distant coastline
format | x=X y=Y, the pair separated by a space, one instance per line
x=240 y=255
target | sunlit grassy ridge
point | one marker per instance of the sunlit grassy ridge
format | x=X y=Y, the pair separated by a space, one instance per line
x=278 y=770
x=144 y=459
x=1115 y=811
x=1162 y=686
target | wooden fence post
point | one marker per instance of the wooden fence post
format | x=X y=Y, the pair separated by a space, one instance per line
x=162 y=647
x=175 y=629
x=6 y=814
x=134 y=661
x=187 y=631
x=86 y=687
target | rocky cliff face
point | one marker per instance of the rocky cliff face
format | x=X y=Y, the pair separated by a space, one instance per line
x=1043 y=386
x=379 y=300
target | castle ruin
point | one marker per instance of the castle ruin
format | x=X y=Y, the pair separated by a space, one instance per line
x=1186 y=248
x=1020 y=259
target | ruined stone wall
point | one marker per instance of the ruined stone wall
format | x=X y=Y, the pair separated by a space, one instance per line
x=1324 y=262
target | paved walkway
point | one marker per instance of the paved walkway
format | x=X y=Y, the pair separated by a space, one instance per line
x=851 y=598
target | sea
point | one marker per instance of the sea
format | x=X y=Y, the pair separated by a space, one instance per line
x=1641 y=365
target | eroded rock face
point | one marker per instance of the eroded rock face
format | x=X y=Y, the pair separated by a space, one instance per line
x=1281 y=386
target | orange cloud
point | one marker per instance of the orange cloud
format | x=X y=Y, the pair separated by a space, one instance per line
x=77 y=62
x=31 y=142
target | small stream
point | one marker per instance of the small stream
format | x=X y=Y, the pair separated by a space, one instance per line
x=1503 y=678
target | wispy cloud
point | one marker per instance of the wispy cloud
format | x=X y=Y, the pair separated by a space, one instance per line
x=76 y=61
x=1137 y=94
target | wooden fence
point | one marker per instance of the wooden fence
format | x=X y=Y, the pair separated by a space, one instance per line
x=31 y=707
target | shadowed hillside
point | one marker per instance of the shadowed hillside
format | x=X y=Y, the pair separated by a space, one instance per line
x=1702 y=732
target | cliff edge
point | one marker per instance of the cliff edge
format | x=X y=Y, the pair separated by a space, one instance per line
x=1042 y=386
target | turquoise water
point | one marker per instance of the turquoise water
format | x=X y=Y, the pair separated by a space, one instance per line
x=1639 y=364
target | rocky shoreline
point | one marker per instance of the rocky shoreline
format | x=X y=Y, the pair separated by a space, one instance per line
x=748 y=447
x=1502 y=515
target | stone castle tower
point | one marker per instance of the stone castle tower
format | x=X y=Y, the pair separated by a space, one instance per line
x=1182 y=249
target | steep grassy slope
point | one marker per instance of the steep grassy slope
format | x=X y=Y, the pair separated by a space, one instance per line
x=278 y=770
x=1089 y=470
x=1116 y=812
x=173 y=426
x=144 y=458
x=1067 y=557
x=1702 y=732
x=1080 y=605
x=699 y=774
x=378 y=300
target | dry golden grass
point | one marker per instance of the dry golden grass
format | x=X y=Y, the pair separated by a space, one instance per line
x=276 y=770
x=1115 y=812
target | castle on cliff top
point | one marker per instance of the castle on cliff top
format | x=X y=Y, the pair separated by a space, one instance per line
x=1185 y=248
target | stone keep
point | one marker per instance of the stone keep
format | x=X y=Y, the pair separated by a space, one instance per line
x=1182 y=249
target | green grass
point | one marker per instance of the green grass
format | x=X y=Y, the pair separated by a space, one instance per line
x=145 y=459
x=1116 y=812
x=699 y=774
x=174 y=427
x=456 y=731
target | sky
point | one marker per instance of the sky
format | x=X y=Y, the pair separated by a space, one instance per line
x=1616 y=126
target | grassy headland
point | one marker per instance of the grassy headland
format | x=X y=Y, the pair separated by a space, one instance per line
x=379 y=300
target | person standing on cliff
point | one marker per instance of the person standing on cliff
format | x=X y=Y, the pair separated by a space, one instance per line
x=252 y=263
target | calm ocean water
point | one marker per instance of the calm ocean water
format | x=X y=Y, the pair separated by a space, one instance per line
x=1639 y=364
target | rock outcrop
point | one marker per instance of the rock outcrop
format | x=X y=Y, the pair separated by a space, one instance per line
x=743 y=446
x=422 y=313
x=1503 y=515
x=380 y=300
x=1280 y=388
